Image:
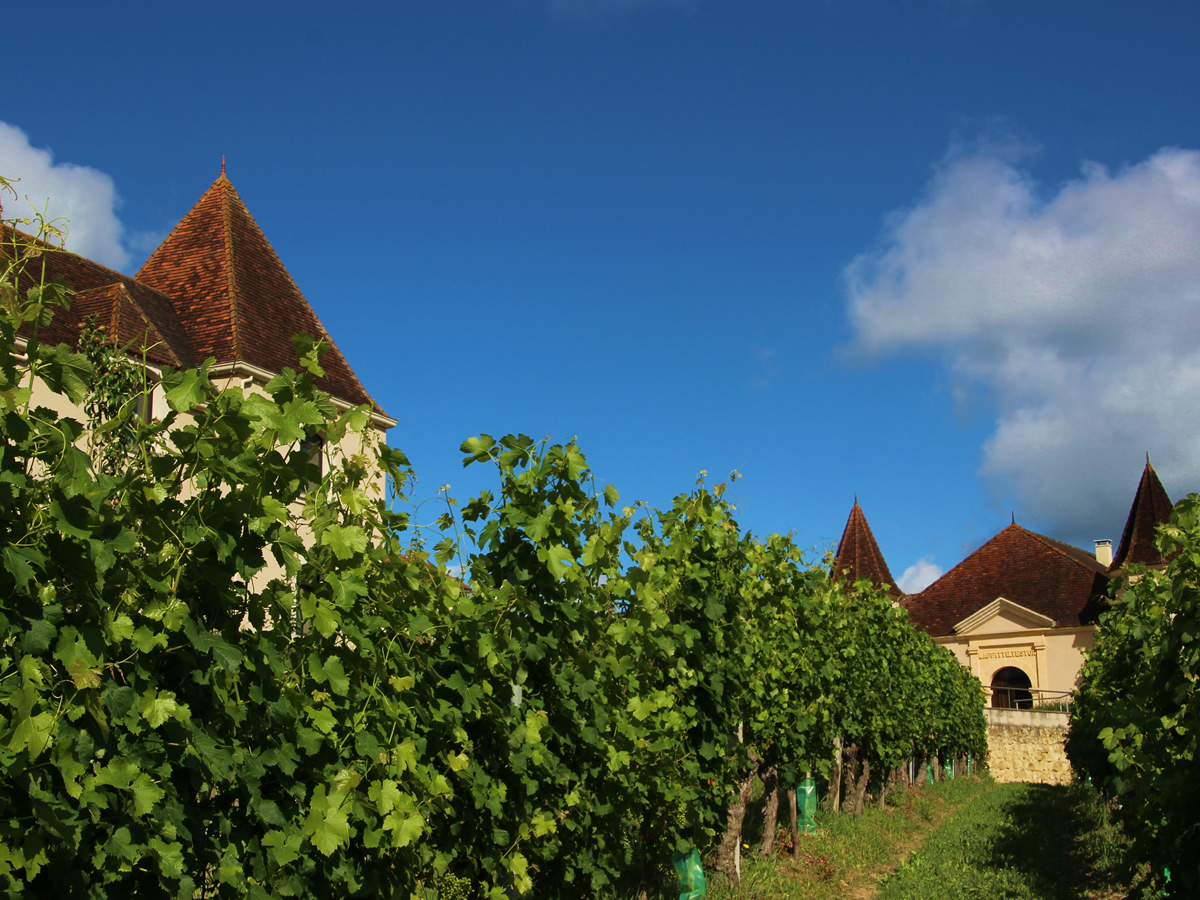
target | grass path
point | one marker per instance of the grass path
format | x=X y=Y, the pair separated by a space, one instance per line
x=849 y=856
x=867 y=886
x=961 y=839
x=1018 y=841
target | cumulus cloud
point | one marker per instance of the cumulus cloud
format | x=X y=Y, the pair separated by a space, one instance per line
x=919 y=575
x=85 y=197
x=1076 y=310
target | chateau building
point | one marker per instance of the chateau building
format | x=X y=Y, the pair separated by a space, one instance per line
x=213 y=290
x=1021 y=610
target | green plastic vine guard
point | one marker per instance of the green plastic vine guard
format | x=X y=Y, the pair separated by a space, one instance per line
x=1166 y=888
x=808 y=806
x=928 y=772
x=950 y=771
x=691 y=875
x=968 y=763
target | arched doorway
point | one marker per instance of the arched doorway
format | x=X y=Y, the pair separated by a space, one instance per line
x=1010 y=689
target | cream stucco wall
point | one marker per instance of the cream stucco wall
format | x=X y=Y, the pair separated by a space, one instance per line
x=1050 y=657
x=334 y=454
x=353 y=443
x=60 y=404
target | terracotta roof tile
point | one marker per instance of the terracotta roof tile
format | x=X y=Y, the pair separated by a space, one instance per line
x=1055 y=579
x=1151 y=508
x=127 y=323
x=236 y=300
x=858 y=555
x=142 y=315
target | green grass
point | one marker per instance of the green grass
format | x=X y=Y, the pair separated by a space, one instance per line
x=847 y=852
x=960 y=839
x=1016 y=841
x=965 y=838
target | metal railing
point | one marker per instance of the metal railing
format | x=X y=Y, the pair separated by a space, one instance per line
x=1030 y=698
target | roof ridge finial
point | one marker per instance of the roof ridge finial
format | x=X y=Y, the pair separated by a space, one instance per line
x=222 y=163
x=1014 y=517
x=1148 y=457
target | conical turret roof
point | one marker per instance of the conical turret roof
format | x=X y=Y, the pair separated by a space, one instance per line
x=858 y=556
x=234 y=297
x=1151 y=508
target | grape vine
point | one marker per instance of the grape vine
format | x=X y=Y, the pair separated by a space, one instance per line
x=224 y=675
x=1136 y=715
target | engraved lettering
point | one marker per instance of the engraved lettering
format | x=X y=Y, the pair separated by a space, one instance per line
x=1007 y=654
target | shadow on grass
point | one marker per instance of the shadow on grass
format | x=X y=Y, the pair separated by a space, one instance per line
x=1039 y=838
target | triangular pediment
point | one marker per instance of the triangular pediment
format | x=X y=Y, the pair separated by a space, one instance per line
x=1003 y=616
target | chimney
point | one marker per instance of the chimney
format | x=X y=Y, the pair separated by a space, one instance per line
x=1104 y=552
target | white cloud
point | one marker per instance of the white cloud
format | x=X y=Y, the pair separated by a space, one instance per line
x=1077 y=310
x=919 y=575
x=85 y=197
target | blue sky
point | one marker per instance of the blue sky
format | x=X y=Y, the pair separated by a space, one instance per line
x=941 y=255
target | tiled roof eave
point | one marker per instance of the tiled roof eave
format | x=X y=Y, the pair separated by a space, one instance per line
x=1076 y=555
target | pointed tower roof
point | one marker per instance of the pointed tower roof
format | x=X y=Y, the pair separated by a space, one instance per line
x=1151 y=508
x=858 y=555
x=234 y=297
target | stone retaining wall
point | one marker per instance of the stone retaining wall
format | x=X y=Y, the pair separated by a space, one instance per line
x=1027 y=747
